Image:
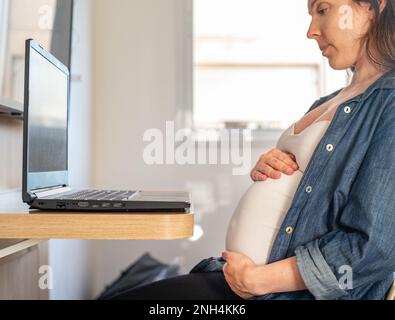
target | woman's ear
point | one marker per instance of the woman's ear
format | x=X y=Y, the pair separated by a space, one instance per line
x=383 y=4
x=366 y=8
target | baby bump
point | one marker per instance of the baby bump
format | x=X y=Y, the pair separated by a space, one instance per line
x=259 y=215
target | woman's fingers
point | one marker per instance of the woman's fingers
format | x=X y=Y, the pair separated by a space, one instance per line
x=258 y=176
x=242 y=294
x=269 y=171
x=279 y=165
x=290 y=160
x=287 y=158
x=272 y=164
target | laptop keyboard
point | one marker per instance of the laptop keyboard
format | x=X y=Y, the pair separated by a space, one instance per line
x=99 y=195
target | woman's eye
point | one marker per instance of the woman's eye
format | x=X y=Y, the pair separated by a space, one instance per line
x=321 y=12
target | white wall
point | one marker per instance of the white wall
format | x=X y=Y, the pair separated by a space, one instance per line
x=71 y=259
x=134 y=89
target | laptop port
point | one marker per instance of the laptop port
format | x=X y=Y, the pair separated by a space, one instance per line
x=83 y=204
x=118 y=205
x=61 y=205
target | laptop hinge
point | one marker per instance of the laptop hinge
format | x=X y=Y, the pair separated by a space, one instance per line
x=46 y=192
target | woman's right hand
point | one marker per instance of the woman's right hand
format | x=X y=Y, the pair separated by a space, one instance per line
x=272 y=164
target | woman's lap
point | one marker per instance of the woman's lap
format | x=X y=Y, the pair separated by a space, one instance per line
x=195 y=286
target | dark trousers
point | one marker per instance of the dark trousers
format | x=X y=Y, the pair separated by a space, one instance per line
x=195 y=286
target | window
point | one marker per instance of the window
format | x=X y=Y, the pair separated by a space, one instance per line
x=253 y=66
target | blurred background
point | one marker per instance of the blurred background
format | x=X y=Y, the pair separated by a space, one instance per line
x=135 y=64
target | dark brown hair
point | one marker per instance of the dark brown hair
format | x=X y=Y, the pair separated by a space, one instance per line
x=380 y=39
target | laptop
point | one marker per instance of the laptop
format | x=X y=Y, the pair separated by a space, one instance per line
x=45 y=149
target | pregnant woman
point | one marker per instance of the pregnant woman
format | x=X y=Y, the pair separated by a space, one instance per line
x=319 y=221
x=262 y=210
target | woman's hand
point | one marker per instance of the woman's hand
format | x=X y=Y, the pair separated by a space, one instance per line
x=272 y=164
x=238 y=271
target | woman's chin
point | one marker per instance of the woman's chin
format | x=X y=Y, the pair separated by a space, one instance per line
x=336 y=65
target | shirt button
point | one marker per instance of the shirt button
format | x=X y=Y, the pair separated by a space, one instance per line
x=347 y=109
x=289 y=230
x=329 y=147
x=309 y=189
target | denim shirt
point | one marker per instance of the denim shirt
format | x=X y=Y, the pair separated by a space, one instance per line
x=343 y=212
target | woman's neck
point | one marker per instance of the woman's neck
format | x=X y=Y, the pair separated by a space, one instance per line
x=365 y=73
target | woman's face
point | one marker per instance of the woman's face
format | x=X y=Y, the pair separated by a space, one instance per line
x=337 y=26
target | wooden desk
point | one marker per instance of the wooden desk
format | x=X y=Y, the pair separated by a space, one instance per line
x=17 y=222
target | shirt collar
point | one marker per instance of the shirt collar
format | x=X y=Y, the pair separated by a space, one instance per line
x=386 y=81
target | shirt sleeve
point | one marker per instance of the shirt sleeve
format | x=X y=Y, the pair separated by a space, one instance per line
x=365 y=241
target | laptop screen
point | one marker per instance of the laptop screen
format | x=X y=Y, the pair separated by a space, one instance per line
x=47 y=116
x=46 y=119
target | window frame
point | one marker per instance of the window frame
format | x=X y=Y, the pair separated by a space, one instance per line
x=185 y=68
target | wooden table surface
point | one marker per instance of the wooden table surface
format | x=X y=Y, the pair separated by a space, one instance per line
x=18 y=222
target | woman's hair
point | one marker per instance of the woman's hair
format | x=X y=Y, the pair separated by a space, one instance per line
x=380 y=39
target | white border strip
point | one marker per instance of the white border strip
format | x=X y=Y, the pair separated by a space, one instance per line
x=18 y=248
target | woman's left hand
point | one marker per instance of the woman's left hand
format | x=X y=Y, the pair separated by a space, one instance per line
x=238 y=271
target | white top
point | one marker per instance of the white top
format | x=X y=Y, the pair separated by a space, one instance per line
x=303 y=145
x=261 y=211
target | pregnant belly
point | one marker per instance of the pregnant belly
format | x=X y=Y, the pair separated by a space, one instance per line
x=259 y=215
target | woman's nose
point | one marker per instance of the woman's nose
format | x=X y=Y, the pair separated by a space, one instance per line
x=313 y=32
